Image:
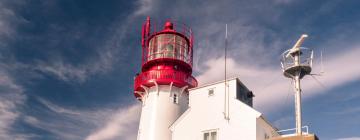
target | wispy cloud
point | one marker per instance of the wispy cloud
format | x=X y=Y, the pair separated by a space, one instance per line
x=11 y=93
x=349 y=138
x=122 y=125
x=144 y=6
x=77 y=73
x=9 y=20
x=283 y=122
x=11 y=97
x=92 y=124
x=346 y=111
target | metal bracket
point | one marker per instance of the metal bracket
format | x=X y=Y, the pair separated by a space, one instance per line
x=157 y=87
x=170 y=90
x=183 y=89
x=144 y=97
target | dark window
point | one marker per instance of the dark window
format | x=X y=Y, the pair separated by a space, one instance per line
x=211 y=92
x=175 y=99
x=212 y=135
x=243 y=94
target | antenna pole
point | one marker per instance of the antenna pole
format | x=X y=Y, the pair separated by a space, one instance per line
x=296 y=69
x=297 y=95
x=226 y=103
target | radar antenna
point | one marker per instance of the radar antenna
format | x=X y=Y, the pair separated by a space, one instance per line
x=296 y=63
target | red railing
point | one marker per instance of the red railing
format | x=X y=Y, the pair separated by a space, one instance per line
x=162 y=77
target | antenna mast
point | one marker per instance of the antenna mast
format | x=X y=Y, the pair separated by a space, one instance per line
x=296 y=63
x=226 y=103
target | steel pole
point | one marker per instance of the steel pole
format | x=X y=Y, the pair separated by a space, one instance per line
x=298 y=96
x=298 y=105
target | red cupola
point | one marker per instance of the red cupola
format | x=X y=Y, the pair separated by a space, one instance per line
x=166 y=57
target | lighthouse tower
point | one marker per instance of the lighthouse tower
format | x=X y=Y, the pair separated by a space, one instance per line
x=164 y=79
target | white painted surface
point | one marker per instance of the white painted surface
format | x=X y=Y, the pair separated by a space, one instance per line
x=207 y=113
x=159 y=112
x=264 y=130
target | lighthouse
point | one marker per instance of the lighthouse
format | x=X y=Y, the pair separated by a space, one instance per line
x=165 y=77
x=174 y=107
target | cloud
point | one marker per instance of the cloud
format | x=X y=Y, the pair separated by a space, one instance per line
x=11 y=93
x=346 y=111
x=11 y=97
x=350 y=138
x=77 y=73
x=122 y=125
x=105 y=123
x=144 y=7
x=279 y=123
x=9 y=21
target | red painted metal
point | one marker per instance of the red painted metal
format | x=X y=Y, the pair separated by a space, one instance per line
x=166 y=56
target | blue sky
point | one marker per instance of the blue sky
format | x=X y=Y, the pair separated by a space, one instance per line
x=67 y=67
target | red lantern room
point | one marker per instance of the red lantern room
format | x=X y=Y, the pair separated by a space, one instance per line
x=166 y=57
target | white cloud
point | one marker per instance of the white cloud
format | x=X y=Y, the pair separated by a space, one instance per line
x=69 y=122
x=99 y=64
x=144 y=7
x=122 y=125
x=279 y=123
x=91 y=124
x=6 y=17
x=11 y=96
x=8 y=21
x=350 y=138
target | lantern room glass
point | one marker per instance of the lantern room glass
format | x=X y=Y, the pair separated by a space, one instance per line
x=168 y=46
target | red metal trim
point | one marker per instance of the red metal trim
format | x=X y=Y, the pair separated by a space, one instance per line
x=164 y=77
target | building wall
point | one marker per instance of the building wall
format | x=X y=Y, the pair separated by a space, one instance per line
x=206 y=112
x=264 y=130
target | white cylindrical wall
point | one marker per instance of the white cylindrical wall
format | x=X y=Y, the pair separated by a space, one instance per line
x=159 y=111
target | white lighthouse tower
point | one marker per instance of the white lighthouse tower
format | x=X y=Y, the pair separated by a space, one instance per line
x=164 y=79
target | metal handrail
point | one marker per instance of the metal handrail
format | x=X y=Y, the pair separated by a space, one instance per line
x=293 y=129
x=305 y=59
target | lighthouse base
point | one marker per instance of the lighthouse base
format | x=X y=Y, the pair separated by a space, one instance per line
x=161 y=106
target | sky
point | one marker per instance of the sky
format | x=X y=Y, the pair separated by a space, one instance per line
x=67 y=67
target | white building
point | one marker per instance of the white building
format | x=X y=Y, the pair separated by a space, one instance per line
x=205 y=117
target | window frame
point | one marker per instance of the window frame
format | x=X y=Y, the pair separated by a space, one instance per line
x=211 y=92
x=209 y=134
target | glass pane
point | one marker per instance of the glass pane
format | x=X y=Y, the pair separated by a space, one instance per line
x=206 y=136
x=169 y=46
x=213 y=135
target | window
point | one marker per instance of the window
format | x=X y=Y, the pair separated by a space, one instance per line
x=168 y=46
x=211 y=92
x=210 y=135
x=175 y=99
